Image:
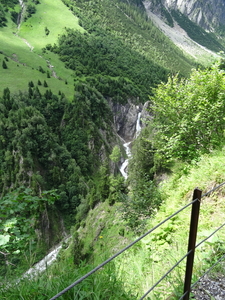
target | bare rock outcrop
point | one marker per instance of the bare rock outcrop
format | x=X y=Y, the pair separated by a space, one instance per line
x=125 y=119
x=208 y=14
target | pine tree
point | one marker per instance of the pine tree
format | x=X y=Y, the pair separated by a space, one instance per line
x=39 y=82
x=6 y=94
x=31 y=84
x=45 y=84
x=37 y=92
x=30 y=92
x=4 y=65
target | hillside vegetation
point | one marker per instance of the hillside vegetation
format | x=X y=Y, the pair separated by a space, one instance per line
x=133 y=273
x=59 y=164
x=23 y=48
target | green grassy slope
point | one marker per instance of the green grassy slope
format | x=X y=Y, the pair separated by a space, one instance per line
x=141 y=266
x=23 y=63
x=104 y=233
x=132 y=26
x=24 y=45
x=51 y=14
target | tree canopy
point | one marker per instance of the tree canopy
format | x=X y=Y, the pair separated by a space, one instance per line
x=189 y=115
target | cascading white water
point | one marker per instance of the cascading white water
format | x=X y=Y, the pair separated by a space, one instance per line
x=138 y=125
x=42 y=265
x=126 y=146
x=125 y=163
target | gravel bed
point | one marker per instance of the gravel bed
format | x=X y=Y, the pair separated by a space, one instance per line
x=210 y=288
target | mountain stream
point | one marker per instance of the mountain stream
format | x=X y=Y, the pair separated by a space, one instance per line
x=123 y=168
x=42 y=265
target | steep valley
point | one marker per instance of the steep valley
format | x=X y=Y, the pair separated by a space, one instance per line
x=76 y=79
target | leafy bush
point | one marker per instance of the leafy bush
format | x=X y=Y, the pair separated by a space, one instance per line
x=189 y=115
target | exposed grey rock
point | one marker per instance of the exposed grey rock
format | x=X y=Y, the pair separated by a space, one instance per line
x=146 y=114
x=208 y=13
x=125 y=119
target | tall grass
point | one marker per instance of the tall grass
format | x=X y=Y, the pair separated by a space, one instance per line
x=131 y=274
x=103 y=285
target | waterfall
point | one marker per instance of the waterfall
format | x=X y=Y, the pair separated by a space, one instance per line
x=125 y=163
x=123 y=168
x=138 y=125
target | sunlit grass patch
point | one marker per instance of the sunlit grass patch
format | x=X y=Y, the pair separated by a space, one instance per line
x=49 y=21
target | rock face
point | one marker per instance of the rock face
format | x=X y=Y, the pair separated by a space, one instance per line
x=125 y=119
x=208 y=13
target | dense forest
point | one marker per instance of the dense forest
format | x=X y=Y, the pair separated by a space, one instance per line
x=60 y=157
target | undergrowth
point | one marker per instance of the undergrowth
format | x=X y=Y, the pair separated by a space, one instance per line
x=131 y=274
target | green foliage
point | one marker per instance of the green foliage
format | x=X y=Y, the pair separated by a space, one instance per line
x=108 y=57
x=9 y=3
x=30 y=10
x=103 y=285
x=116 y=154
x=30 y=143
x=141 y=204
x=31 y=84
x=3 y=19
x=20 y=212
x=41 y=69
x=129 y=23
x=14 y=16
x=142 y=160
x=4 y=65
x=45 y=84
x=47 y=31
x=165 y=13
x=188 y=116
x=117 y=189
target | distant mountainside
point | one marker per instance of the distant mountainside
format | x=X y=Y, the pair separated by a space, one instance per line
x=208 y=14
x=196 y=27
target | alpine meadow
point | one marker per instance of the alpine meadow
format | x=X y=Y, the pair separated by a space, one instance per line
x=111 y=113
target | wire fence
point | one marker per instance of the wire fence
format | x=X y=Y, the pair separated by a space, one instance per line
x=195 y=203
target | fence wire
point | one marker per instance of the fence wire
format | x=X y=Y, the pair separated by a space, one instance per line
x=120 y=252
x=195 y=283
x=213 y=190
x=207 y=272
x=140 y=238
x=164 y=276
x=209 y=236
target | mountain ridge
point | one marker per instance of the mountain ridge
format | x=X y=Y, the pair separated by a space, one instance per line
x=208 y=14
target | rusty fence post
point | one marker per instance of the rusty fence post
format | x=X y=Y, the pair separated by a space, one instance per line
x=192 y=242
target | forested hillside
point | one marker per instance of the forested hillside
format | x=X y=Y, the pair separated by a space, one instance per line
x=63 y=86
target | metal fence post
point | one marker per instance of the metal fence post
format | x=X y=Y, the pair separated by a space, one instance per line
x=192 y=242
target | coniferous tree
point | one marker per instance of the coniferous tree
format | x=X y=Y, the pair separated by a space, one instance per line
x=30 y=92
x=45 y=84
x=36 y=92
x=4 y=65
x=31 y=84
x=6 y=94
